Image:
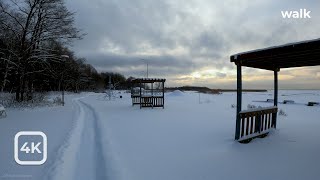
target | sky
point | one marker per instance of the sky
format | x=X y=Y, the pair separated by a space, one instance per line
x=190 y=42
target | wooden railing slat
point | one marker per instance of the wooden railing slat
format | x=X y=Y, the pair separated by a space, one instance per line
x=251 y=124
x=242 y=129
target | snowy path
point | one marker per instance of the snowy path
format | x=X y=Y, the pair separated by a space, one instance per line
x=83 y=150
x=91 y=164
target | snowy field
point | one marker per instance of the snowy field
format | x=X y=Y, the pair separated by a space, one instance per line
x=92 y=138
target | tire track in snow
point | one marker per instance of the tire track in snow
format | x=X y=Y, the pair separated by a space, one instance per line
x=81 y=155
x=97 y=148
x=107 y=161
x=63 y=166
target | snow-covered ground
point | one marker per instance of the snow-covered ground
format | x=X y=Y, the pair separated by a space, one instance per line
x=93 y=138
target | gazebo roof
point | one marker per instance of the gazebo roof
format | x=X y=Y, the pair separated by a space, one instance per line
x=148 y=80
x=299 y=54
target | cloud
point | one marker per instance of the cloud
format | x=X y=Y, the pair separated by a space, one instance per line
x=179 y=38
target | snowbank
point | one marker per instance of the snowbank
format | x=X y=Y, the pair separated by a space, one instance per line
x=176 y=93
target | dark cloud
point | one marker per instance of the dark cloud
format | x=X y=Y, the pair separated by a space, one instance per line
x=134 y=65
x=179 y=37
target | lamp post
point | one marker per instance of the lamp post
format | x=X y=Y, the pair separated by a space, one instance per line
x=147 y=66
x=64 y=59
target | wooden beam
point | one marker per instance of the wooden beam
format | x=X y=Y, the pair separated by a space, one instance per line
x=239 y=100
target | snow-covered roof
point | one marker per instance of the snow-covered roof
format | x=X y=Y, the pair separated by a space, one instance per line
x=273 y=47
x=297 y=54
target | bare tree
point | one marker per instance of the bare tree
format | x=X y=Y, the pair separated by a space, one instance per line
x=34 y=24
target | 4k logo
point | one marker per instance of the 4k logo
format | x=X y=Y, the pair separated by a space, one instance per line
x=33 y=148
x=30 y=148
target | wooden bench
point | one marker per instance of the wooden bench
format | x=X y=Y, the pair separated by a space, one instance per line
x=2 y=111
x=288 y=102
x=313 y=103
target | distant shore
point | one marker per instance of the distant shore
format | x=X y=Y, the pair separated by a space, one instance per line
x=208 y=90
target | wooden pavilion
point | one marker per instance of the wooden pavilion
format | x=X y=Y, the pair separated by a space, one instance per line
x=148 y=92
x=258 y=122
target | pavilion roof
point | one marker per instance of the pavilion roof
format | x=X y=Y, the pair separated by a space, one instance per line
x=298 y=54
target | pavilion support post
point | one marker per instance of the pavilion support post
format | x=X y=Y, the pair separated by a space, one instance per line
x=239 y=101
x=276 y=88
x=275 y=100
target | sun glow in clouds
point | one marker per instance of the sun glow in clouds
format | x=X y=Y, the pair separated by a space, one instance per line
x=212 y=73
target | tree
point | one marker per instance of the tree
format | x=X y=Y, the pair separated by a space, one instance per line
x=34 y=35
x=117 y=79
x=33 y=25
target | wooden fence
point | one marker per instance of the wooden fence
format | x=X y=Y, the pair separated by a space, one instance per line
x=152 y=101
x=257 y=122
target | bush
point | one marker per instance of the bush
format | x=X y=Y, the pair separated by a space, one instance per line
x=282 y=113
x=8 y=100
x=251 y=106
x=57 y=100
x=38 y=97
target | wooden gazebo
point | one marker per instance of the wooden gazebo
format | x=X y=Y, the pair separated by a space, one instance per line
x=148 y=92
x=257 y=122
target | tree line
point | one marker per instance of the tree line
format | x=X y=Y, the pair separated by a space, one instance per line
x=34 y=36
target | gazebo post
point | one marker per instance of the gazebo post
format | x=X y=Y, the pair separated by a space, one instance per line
x=163 y=94
x=239 y=100
x=275 y=100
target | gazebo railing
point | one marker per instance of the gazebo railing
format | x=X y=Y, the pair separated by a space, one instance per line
x=135 y=99
x=256 y=122
x=152 y=101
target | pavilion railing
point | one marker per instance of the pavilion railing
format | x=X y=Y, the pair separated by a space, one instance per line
x=152 y=101
x=256 y=122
